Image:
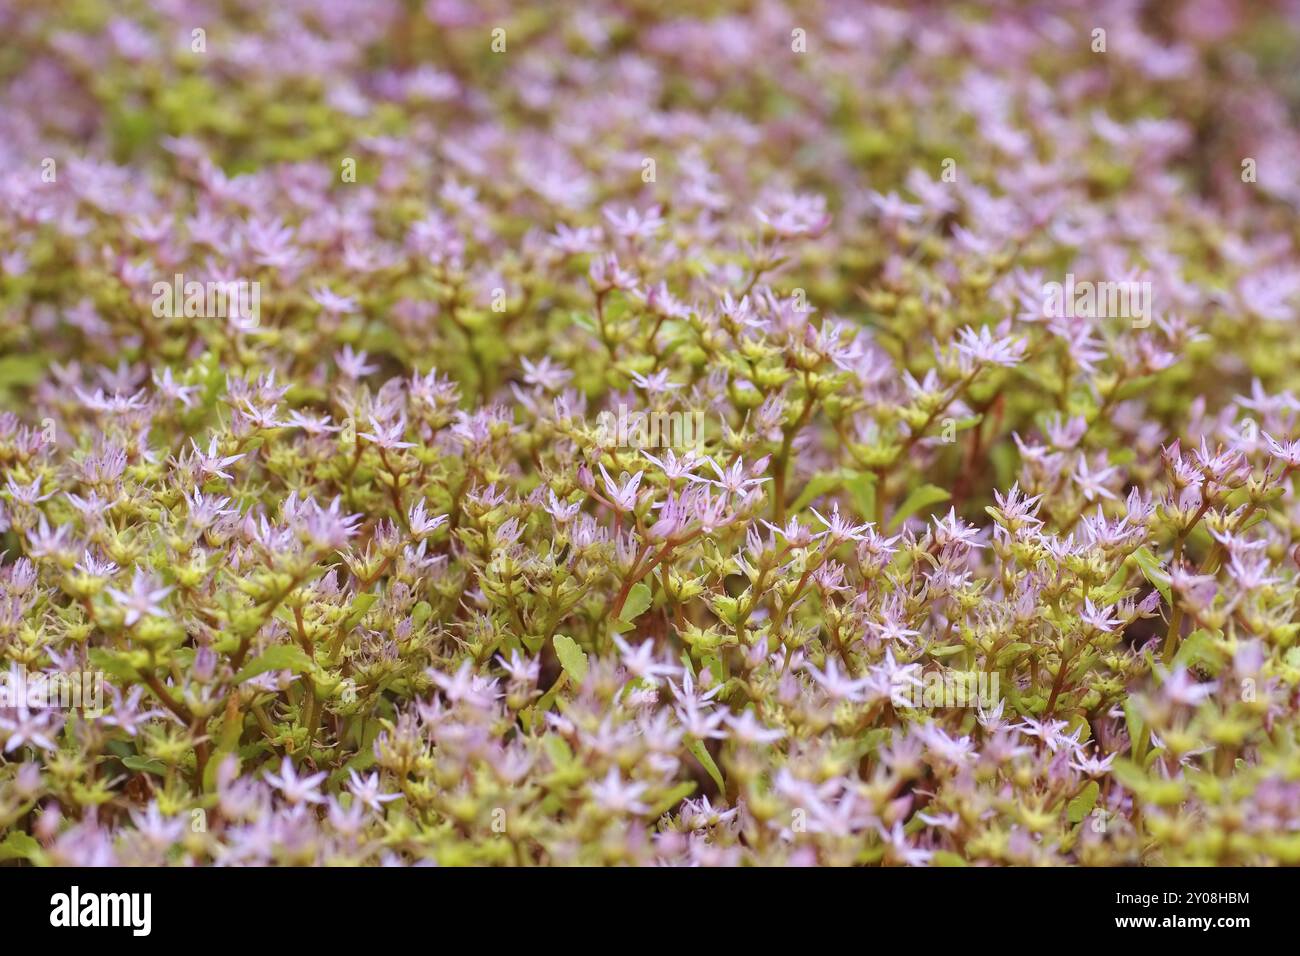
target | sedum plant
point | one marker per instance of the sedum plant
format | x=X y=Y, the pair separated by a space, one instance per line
x=749 y=433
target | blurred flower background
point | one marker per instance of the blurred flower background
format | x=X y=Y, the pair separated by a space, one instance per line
x=956 y=524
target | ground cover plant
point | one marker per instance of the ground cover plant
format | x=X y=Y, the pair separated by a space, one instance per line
x=649 y=433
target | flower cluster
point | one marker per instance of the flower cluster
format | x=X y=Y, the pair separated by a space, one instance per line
x=314 y=315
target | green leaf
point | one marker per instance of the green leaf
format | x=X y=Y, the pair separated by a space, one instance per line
x=214 y=765
x=716 y=668
x=673 y=797
x=638 y=599
x=1254 y=519
x=1011 y=652
x=557 y=748
x=282 y=657
x=948 y=650
x=1078 y=722
x=873 y=739
x=947 y=858
x=363 y=760
x=421 y=613
x=19 y=846
x=544 y=704
x=1129 y=775
x=145 y=765
x=817 y=486
x=1136 y=729
x=227 y=744
x=114 y=664
x=22 y=370
x=360 y=605
x=1082 y=805
x=1199 y=647
x=571 y=656
x=701 y=753
x=862 y=488
x=1150 y=567
x=922 y=497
